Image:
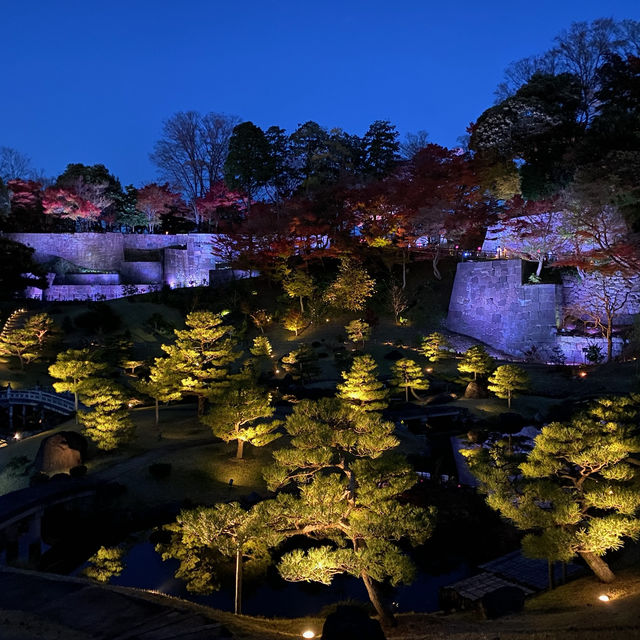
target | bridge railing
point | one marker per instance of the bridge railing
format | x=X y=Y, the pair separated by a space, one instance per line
x=37 y=396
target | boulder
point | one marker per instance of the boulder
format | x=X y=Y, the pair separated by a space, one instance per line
x=502 y=601
x=60 y=452
x=475 y=390
x=348 y=622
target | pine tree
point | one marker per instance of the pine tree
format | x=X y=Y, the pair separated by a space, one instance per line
x=205 y=538
x=407 y=375
x=72 y=368
x=361 y=388
x=434 y=347
x=163 y=384
x=261 y=347
x=26 y=342
x=105 y=564
x=347 y=484
x=352 y=287
x=506 y=380
x=243 y=414
x=301 y=363
x=201 y=355
x=576 y=491
x=358 y=331
x=476 y=360
x=108 y=424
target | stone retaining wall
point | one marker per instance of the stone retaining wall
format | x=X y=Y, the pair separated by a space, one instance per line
x=490 y=303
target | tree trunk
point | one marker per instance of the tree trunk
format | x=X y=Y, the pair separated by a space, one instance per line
x=240 y=449
x=157 y=412
x=75 y=399
x=237 y=609
x=404 y=271
x=436 y=259
x=406 y=394
x=609 y=335
x=386 y=617
x=509 y=398
x=301 y=306
x=201 y=401
x=598 y=566
x=539 y=269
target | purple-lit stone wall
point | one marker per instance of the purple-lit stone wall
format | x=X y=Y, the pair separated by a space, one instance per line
x=91 y=278
x=135 y=272
x=187 y=258
x=89 y=291
x=490 y=303
x=102 y=251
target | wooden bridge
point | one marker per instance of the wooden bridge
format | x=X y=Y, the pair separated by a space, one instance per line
x=35 y=397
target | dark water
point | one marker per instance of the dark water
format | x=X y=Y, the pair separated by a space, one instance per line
x=145 y=569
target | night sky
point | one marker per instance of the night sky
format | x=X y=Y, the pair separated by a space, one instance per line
x=92 y=82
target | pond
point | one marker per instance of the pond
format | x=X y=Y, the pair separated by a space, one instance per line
x=144 y=569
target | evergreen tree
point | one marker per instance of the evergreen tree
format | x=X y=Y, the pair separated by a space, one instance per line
x=105 y=563
x=358 y=331
x=20 y=343
x=73 y=367
x=434 y=347
x=352 y=287
x=201 y=355
x=407 y=375
x=261 y=347
x=299 y=285
x=508 y=379
x=243 y=414
x=301 y=363
x=108 y=424
x=163 y=384
x=361 y=388
x=476 y=360
x=205 y=538
x=576 y=491
x=347 y=484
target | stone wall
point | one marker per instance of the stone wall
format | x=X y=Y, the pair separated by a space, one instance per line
x=83 y=292
x=100 y=251
x=490 y=303
x=181 y=260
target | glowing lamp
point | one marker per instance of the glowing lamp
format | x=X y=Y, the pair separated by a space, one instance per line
x=429 y=369
x=603 y=598
x=583 y=374
x=308 y=634
x=277 y=370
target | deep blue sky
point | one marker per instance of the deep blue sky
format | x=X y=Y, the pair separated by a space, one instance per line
x=91 y=82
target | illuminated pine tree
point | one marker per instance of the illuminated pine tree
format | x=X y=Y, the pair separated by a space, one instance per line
x=576 y=491
x=476 y=360
x=361 y=388
x=506 y=380
x=108 y=424
x=163 y=384
x=201 y=356
x=407 y=375
x=301 y=363
x=434 y=347
x=243 y=414
x=204 y=539
x=261 y=347
x=72 y=368
x=352 y=287
x=105 y=563
x=358 y=331
x=347 y=483
x=294 y=321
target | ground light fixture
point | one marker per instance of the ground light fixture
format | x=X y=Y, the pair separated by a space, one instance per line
x=603 y=598
x=308 y=634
